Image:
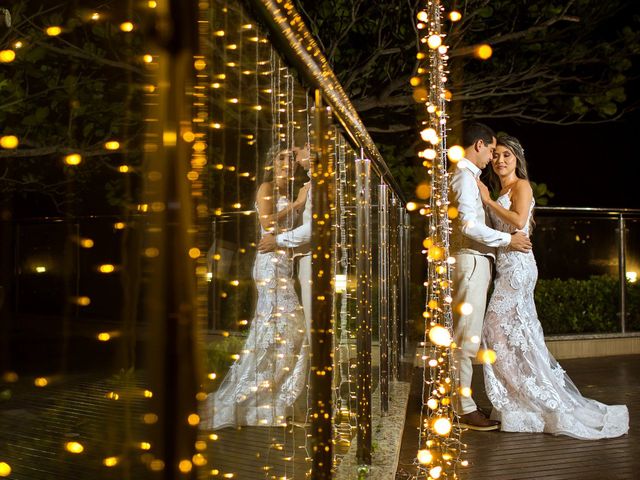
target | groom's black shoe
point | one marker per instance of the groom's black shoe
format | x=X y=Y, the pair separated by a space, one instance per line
x=477 y=421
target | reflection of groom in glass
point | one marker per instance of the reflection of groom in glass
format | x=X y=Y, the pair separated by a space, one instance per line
x=298 y=239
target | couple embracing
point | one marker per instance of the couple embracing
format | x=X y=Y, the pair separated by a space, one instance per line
x=529 y=390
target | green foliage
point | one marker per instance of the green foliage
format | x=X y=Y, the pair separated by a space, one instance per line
x=218 y=355
x=584 y=306
x=541 y=193
x=557 y=63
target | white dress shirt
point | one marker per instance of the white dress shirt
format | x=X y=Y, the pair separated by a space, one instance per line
x=470 y=232
x=301 y=235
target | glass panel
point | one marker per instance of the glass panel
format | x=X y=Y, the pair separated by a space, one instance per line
x=345 y=306
x=156 y=258
x=632 y=262
x=257 y=303
x=578 y=288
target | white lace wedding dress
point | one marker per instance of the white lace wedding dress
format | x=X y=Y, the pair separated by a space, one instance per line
x=529 y=390
x=263 y=384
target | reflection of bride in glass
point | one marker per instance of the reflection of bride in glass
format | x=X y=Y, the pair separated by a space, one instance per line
x=272 y=369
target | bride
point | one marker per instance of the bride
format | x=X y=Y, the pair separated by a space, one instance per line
x=271 y=372
x=529 y=390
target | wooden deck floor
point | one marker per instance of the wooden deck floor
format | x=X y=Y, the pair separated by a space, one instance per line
x=35 y=423
x=519 y=456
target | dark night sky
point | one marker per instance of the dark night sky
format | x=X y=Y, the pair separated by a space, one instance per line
x=590 y=165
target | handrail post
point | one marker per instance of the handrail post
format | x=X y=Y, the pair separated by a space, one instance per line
x=363 y=293
x=622 y=269
x=383 y=294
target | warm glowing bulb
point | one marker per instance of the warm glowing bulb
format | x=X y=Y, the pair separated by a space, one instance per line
x=107 y=268
x=185 y=466
x=429 y=134
x=428 y=153
x=200 y=64
x=455 y=16
x=432 y=403
x=455 y=153
x=436 y=253
x=147 y=58
x=104 y=337
x=74 y=447
x=9 y=142
x=83 y=301
x=632 y=277
x=41 y=382
x=112 y=145
x=53 y=31
x=425 y=457
x=7 y=56
x=95 y=16
x=110 y=461
x=411 y=206
x=126 y=27
x=435 y=472
x=483 y=52
x=422 y=16
x=193 y=419
x=442 y=426
x=434 y=41
x=486 y=356
x=340 y=283
x=5 y=469
x=452 y=212
x=466 y=308
x=73 y=159
x=439 y=335
x=152 y=4
x=194 y=252
x=423 y=191
x=465 y=392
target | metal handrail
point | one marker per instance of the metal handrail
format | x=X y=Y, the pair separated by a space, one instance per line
x=597 y=210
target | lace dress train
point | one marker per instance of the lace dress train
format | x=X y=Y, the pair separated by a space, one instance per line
x=529 y=390
x=263 y=384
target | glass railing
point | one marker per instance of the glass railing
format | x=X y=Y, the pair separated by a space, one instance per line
x=176 y=301
x=588 y=263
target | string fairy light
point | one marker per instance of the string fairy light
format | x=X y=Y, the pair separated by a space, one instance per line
x=440 y=445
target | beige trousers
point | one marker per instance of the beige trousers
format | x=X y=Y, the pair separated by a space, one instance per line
x=471 y=281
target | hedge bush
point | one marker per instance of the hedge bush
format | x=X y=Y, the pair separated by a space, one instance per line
x=585 y=306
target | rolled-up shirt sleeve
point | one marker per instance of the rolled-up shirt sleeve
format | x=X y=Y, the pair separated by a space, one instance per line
x=465 y=193
x=295 y=238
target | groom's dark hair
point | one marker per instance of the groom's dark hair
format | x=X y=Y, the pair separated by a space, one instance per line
x=477 y=131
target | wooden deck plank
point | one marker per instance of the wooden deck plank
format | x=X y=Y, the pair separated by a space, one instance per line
x=519 y=456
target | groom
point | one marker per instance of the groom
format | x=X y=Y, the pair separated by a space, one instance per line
x=472 y=245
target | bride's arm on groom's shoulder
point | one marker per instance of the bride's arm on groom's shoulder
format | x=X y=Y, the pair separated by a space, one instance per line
x=518 y=214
